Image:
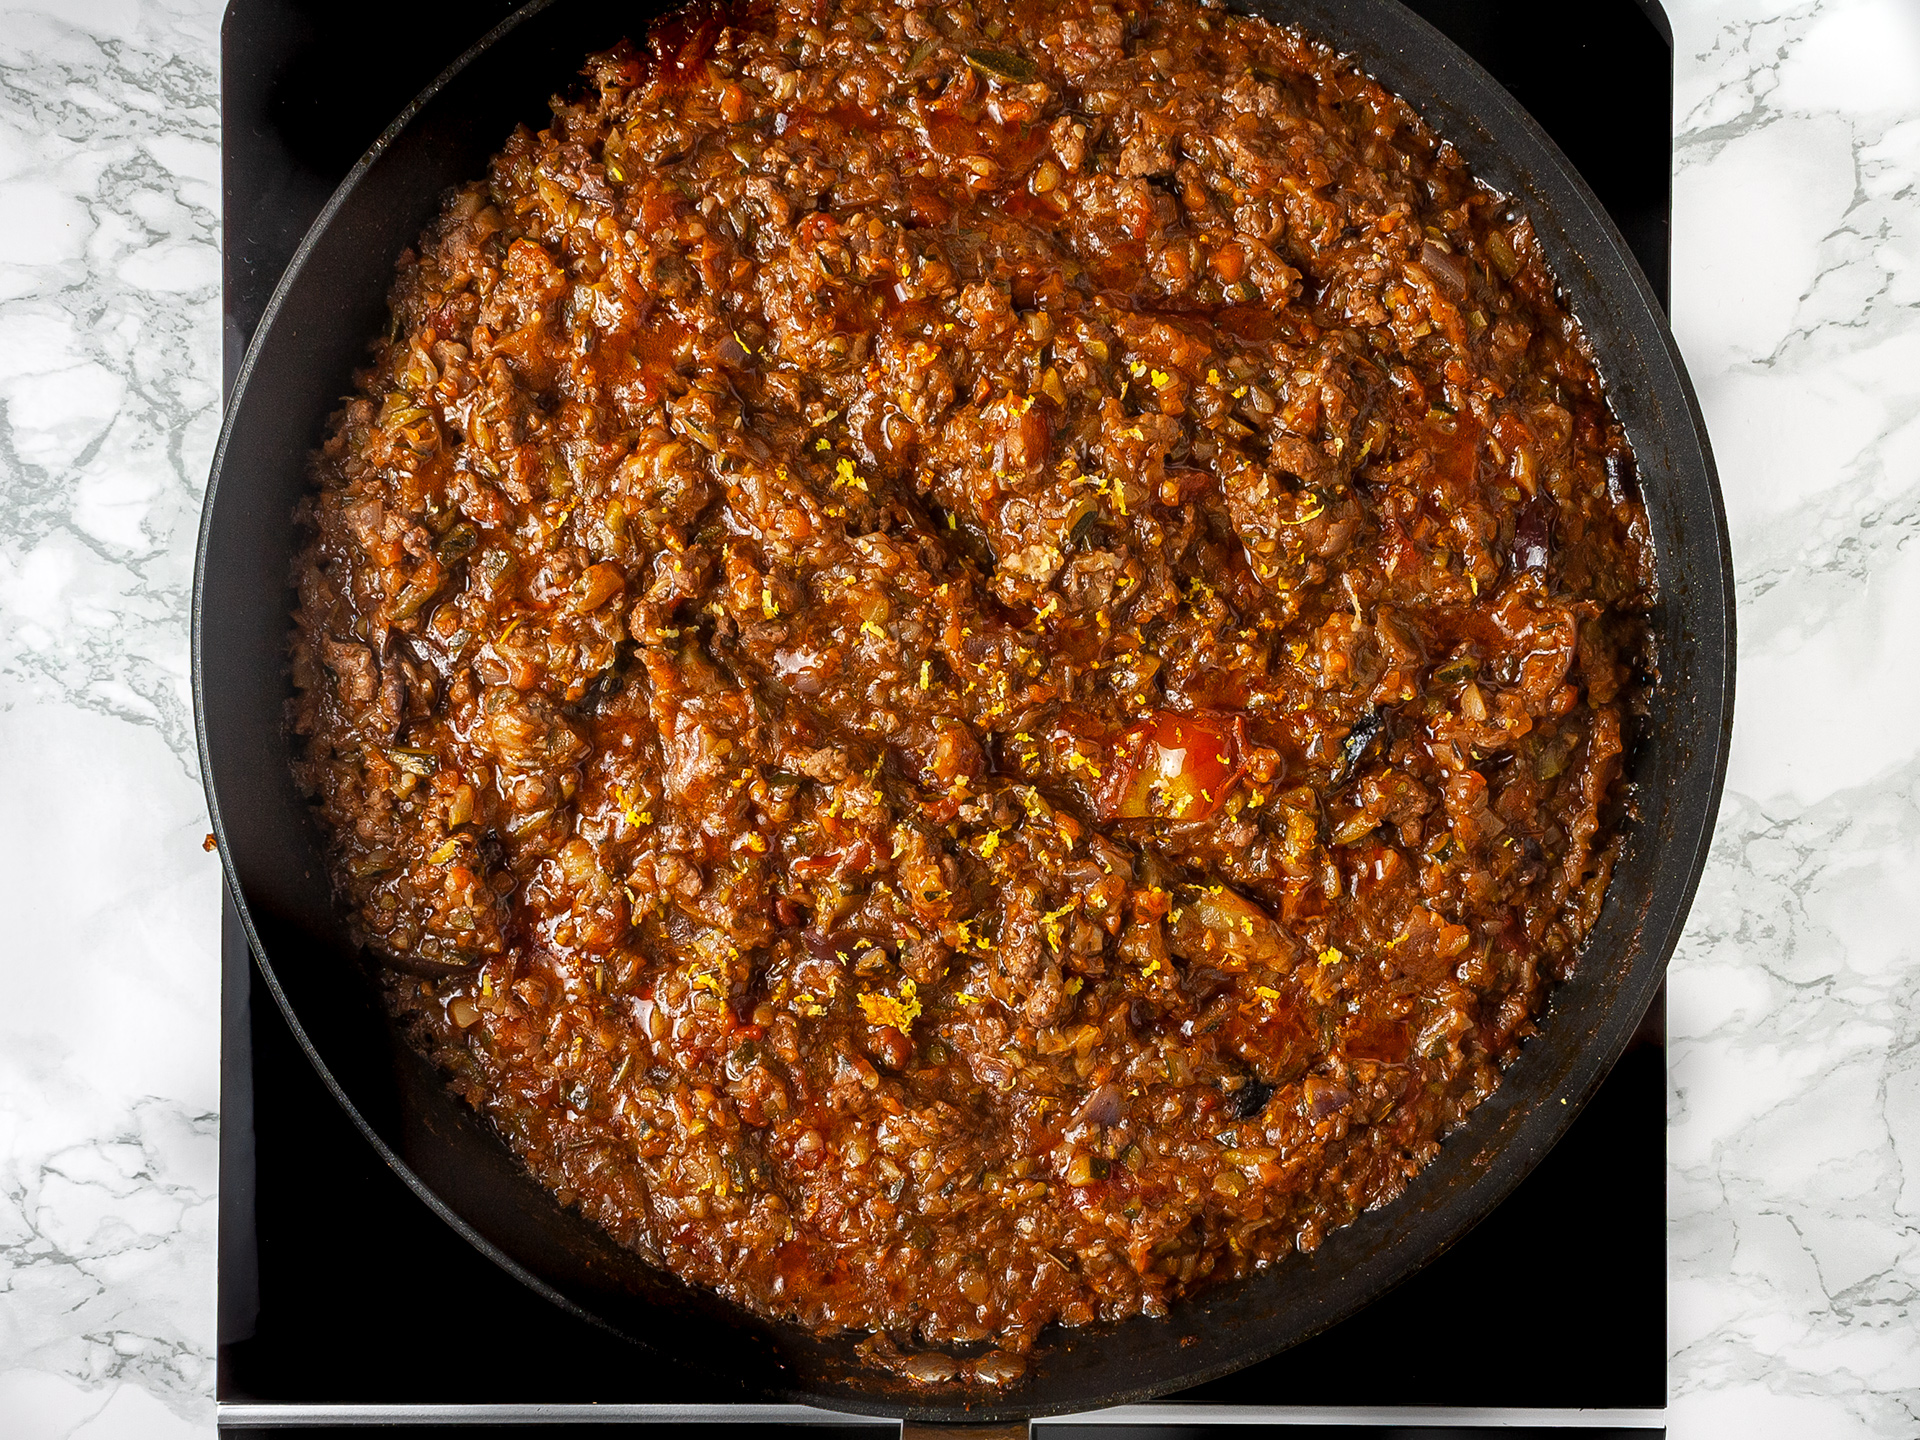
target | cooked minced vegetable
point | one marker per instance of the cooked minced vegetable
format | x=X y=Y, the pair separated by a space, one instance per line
x=970 y=662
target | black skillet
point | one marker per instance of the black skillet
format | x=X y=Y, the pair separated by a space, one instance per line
x=314 y=333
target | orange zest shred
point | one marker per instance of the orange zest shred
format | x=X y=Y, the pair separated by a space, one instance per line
x=898 y=1012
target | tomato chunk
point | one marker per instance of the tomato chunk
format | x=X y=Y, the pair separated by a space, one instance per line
x=1173 y=767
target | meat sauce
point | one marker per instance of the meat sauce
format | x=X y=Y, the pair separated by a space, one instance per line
x=970 y=664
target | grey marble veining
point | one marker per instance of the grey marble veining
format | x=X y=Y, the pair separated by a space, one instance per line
x=1794 y=1139
x=109 y=381
x=1794 y=1195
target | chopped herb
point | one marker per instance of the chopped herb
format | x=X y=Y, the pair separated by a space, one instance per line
x=1004 y=66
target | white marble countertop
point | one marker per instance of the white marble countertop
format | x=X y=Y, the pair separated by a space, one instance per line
x=1794 y=1141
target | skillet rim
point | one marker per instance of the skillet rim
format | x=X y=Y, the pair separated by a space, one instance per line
x=1459 y=83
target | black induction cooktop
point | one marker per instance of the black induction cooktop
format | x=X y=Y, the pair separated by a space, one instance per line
x=345 y=1303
